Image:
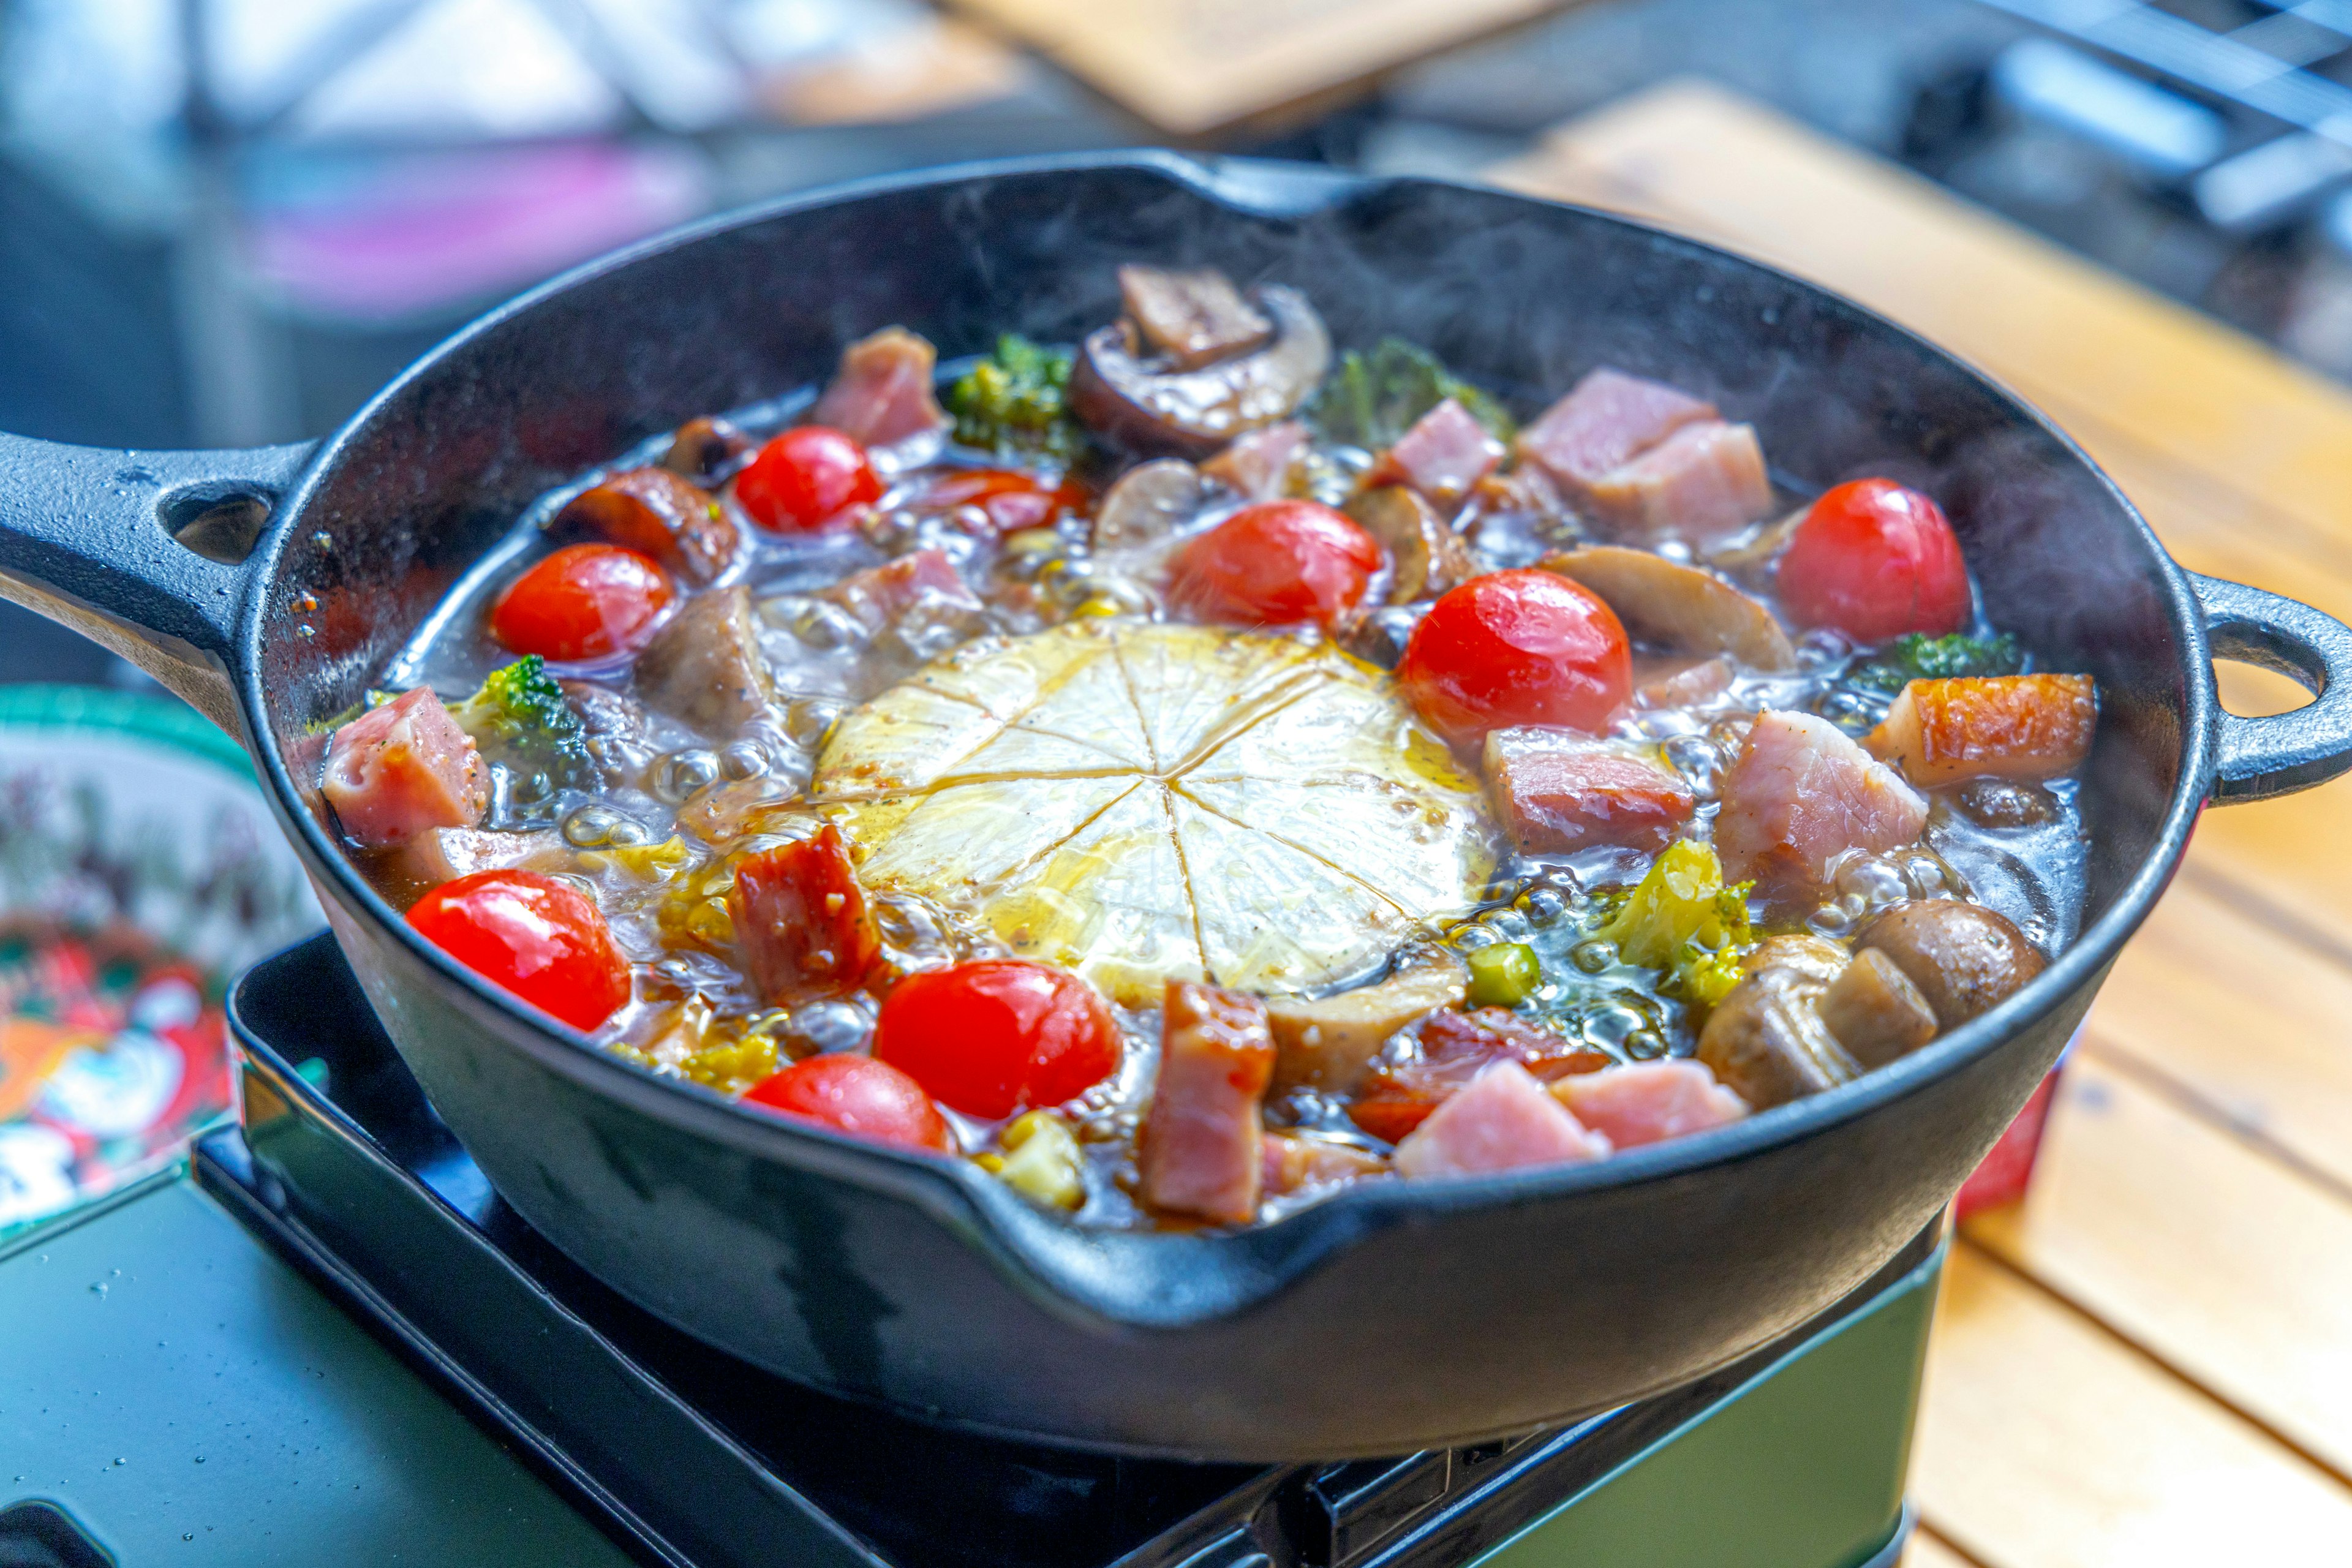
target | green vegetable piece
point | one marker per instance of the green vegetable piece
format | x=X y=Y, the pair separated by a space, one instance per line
x=1914 y=655
x=1504 y=975
x=1015 y=402
x=1683 y=919
x=1372 y=399
x=521 y=718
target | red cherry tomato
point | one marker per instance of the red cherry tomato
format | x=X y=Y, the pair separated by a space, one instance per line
x=585 y=601
x=990 y=1036
x=1010 y=499
x=1515 y=647
x=1875 y=559
x=543 y=940
x=856 y=1094
x=805 y=479
x=1274 y=563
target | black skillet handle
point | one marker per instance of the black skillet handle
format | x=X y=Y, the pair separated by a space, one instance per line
x=2258 y=758
x=143 y=552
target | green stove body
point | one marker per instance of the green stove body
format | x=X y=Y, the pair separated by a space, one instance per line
x=324 y=1340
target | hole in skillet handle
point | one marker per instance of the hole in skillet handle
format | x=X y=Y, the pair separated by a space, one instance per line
x=2279 y=754
x=219 y=523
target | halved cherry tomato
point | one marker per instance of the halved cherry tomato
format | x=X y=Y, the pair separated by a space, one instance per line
x=1524 y=647
x=543 y=940
x=585 y=601
x=1011 y=500
x=1875 y=559
x=802 y=927
x=856 y=1094
x=990 y=1036
x=806 y=480
x=1276 y=563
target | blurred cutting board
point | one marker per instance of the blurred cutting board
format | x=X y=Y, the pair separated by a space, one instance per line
x=1192 y=65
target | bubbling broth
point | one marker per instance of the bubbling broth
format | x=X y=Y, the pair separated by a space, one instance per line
x=1192 y=771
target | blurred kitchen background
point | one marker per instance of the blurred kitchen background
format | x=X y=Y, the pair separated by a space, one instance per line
x=227 y=221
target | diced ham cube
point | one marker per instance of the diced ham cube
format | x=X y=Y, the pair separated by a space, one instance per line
x=1502 y=1119
x=882 y=392
x=1445 y=453
x=923 y=581
x=1455 y=1048
x=1202 y=1145
x=1257 y=465
x=1606 y=420
x=403 y=769
x=1701 y=483
x=1299 y=1164
x=1557 y=790
x=1801 y=792
x=654 y=512
x=1645 y=1102
x=802 y=930
x=2018 y=727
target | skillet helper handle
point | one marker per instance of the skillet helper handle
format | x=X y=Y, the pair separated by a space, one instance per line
x=2259 y=758
x=145 y=553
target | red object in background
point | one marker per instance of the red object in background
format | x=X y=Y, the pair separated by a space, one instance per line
x=2004 y=1173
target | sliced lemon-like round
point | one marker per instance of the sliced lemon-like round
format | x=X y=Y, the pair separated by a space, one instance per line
x=1143 y=803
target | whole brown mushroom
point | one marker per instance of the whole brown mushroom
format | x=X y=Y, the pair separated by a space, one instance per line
x=1963 y=957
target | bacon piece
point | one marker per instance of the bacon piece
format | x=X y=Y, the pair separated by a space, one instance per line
x=1801 y=792
x=1445 y=453
x=401 y=768
x=802 y=927
x=1454 y=1048
x=1701 y=483
x=1194 y=319
x=1500 y=1120
x=657 y=514
x=1606 y=420
x=1557 y=790
x=2022 y=728
x=1298 y=1163
x=1201 y=1147
x=1257 y=465
x=705 y=667
x=924 y=580
x=1645 y=1102
x=882 y=392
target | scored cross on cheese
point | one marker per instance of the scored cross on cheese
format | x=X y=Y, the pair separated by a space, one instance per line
x=1143 y=803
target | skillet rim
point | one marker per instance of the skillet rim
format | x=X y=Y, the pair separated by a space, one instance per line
x=1076 y=1270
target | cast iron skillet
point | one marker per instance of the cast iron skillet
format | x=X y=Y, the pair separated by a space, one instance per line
x=1388 y=1319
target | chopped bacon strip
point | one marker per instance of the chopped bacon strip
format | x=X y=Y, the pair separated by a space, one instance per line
x=1801 y=792
x=1297 y=1164
x=402 y=769
x=802 y=927
x=1257 y=465
x=1201 y=1150
x=1645 y=1102
x=1606 y=420
x=1454 y=1048
x=654 y=512
x=1558 y=790
x=2022 y=728
x=1501 y=1119
x=925 y=580
x=1445 y=453
x=882 y=392
x=1701 y=483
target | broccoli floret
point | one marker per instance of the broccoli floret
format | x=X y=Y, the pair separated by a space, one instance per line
x=1015 y=402
x=1916 y=656
x=1372 y=399
x=521 y=718
x=1683 y=919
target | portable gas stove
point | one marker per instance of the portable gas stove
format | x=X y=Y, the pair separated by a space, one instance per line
x=175 y=1392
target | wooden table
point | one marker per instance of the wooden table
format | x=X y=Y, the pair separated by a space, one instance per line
x=2150 y=1362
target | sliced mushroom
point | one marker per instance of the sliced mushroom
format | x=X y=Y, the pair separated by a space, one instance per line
x=1815 y=959
x=1767 y=1043
x=1191 y=318
x=708 y=451
x=1148 y=505
x=1425 y=556
x=1963 y=957
x=1875 y=1012
x=1666 y=603
x=1133 y=402
x=705 y=667
x=1330 y=1042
